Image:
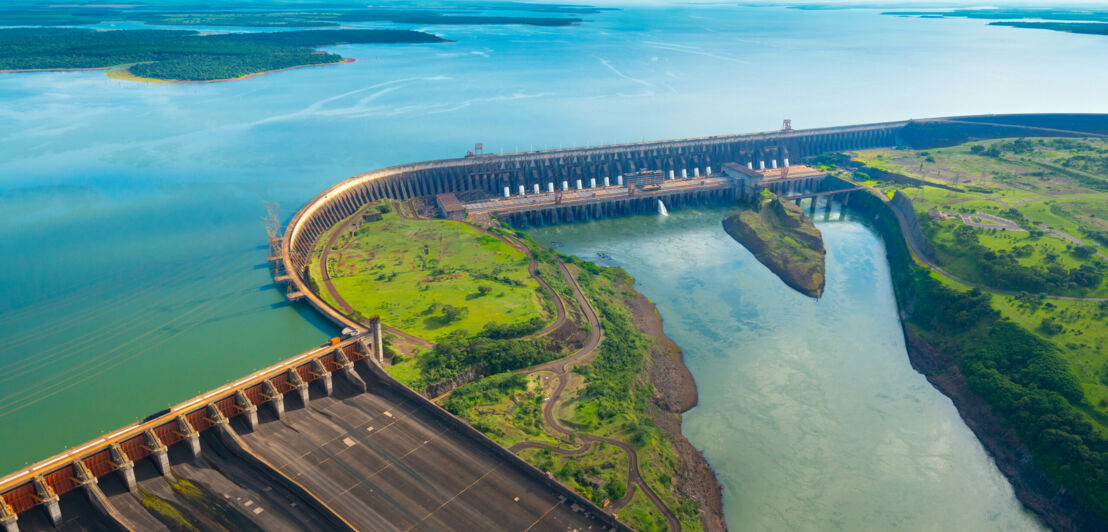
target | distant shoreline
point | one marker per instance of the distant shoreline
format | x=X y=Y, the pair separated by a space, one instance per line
x=121 y=72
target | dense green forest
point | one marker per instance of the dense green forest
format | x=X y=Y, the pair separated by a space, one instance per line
x=305 y=18
x=183 y=55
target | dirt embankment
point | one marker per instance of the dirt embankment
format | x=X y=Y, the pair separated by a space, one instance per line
x=1058 y=509
x=675 y=393
x=785 y=241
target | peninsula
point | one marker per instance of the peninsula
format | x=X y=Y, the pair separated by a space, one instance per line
x=170 y=55
x=783 y=239
x=559 y=360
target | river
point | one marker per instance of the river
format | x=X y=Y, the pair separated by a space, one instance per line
x=810 y=412
x=130 y=213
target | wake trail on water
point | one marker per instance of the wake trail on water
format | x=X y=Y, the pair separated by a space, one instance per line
x=150 y=330
x=17 y=401
x=617 y=72
x=101 y=295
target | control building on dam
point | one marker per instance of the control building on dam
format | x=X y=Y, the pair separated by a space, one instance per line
x=327 y=440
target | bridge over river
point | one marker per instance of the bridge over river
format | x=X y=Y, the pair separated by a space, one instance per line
x=291 y=447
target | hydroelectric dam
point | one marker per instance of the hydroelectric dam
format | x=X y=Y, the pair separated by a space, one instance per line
x=326 y=440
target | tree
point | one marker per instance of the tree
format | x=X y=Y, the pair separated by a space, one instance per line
x=450 y=313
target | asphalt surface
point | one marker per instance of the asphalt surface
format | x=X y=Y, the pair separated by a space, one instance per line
x=383 y=463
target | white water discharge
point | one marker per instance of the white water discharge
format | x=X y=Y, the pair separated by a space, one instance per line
x=662 y=208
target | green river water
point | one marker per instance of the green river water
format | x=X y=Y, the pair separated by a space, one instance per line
x=809 y=411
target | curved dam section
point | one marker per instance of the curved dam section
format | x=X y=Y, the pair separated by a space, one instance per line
x=489 y=175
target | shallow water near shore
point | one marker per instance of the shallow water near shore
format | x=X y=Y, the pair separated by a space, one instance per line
x=810 y=412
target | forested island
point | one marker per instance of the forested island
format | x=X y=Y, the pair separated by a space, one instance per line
x=783 y=239
x=70 y=15
x=186 y=55
x=1093 y=22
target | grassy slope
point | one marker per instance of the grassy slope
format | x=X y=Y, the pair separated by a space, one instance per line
x=608 y=397
x=1016 y=181
x=401 y=269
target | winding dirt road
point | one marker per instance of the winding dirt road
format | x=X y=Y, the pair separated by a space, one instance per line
x=560 y=367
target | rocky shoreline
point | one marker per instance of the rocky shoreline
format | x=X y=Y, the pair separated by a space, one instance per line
x=1057 y=508
x=675 y=393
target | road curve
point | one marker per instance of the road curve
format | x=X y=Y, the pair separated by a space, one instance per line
x=560 y=368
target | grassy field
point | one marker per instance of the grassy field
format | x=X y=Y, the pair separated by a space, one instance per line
x=608 y=396
x=1042 y=185
x=430 y=278
x=1054 y=189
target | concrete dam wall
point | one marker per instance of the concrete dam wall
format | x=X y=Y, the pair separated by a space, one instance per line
x=490 y=174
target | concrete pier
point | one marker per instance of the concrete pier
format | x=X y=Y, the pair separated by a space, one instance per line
x=158 y=452
x=299 y=385
x=323 y=375
x=184 y=428
x=48 y=500
x=247 y=407
x=275 y=398
x=8 y=518
x=348 y=370
x=123 y=465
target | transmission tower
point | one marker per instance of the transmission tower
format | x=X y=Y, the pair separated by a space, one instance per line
x=273 y=230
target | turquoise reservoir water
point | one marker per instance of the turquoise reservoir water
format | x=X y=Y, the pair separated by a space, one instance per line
x=130 y=213
x=809 y=411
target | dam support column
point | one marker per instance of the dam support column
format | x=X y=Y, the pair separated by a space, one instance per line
x=247 y=407
x=323 y=375
x=158 y=452
x=123 y=465
x=348 y=370
x=275 y=397
x=8 y=518
x=301 y=387
x=215 y=415
x=49 y=500
x=87 y=481
x=190 y=434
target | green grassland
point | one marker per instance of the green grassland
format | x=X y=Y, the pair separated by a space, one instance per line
x=430 y=278
x=1041 y=185
x=609 y=394
x=1037 y=199
x=612 y=400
